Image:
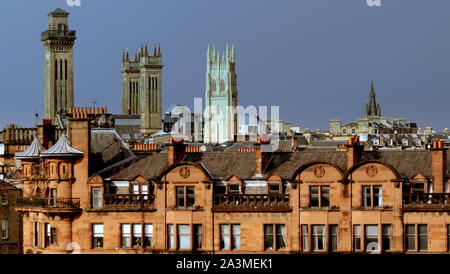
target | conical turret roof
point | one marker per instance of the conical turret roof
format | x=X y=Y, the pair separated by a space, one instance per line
x=62 y=148
x=32 y=152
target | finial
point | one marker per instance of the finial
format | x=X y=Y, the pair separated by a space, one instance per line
x=146 y=50
x=154 y=51
x=159 y=50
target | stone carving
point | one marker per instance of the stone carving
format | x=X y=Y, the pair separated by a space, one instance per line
x=185 y=172
x=371 y=171
x=319 y=172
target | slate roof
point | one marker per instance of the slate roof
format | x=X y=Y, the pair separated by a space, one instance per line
x=62 y=148
x=32 y=152
x=223 y=165
x=107 y=149
x=407 y=163
x=285 y=164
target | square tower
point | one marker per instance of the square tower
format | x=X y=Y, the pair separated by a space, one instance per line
x=220 y=97
x=142 y=88
x=58 y=43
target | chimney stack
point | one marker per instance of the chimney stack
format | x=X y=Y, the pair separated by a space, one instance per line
x=438 y=165
x=354 y=151
x=176 y=150
x=46 y=133
x=261 y=157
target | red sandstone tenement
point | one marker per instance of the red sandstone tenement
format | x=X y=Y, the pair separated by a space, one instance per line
x=257 y=201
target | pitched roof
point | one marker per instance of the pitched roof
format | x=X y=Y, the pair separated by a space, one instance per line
x=286 y=164
x=107 y=149
x=406 y=162
x=62 y=148
x=148 y=167
x=223 y=165
x=32 y=152
x=59 y=11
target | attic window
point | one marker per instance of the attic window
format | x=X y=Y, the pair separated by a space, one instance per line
x=234 y=189
x=274 y=187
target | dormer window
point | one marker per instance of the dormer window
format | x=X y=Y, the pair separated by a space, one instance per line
x=234 y=189
x=274 y=187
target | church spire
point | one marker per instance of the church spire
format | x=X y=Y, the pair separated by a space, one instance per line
x=372 y=108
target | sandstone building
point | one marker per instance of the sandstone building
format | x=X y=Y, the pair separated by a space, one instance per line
x=88 y=189
x=10 y=220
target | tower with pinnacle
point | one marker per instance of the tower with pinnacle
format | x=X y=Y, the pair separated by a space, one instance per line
x=142 y=87
x=220 y=96
x=372 y=109
x=58 y=43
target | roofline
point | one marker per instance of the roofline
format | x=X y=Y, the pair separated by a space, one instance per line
x=173 y=166
x=353 y=168
x=311 y=163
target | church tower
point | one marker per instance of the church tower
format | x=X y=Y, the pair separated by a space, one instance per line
x=372 y=109
x=58 y=43
x=142 y=88
x=220 y=97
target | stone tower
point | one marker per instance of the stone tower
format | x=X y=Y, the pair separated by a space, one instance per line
x=58 y=43
x=372 y=109
x=220 y=97
x=142 y=88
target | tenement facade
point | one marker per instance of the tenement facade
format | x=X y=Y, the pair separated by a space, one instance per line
x=89 y=193
x=10 y=220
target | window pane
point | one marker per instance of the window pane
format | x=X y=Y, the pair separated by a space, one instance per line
x=268 y=237
x=314 y=197
x=325 y=196
x=137 y=235
x=184 y=237
x=97 y=235
x=236 y=236
x=190 y=196
x=357 y=237
x=148 y=235
x=180 y=195
x=197 y=236
x=281 y=237
x=333 y=237
x=367 y=201
x=305 y=238
x=386 y=244
x=318 y=237
x=423 y=237
x=126 y=235
x=371 y=237
x=410 y=237
x=170 y=237
x=96 y=197
x=225 y=236
x=377 y=196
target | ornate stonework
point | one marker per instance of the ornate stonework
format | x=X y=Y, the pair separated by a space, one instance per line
x=319 y=172
x=185 y=172
x=371 y=171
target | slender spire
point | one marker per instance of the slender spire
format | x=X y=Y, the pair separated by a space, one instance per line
x=372 y=108
x=159 y=50
x=227 y=53
x=146 y=50
x=208 y=53
x=232 y=53
x=154 y=51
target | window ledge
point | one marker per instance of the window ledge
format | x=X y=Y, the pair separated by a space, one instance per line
x=188 y=208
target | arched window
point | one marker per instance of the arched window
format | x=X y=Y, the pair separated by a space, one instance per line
x=222 y=85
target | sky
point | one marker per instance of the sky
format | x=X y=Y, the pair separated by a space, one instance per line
x=314 y=59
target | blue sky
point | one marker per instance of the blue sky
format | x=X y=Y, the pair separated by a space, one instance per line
x=313 y=58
